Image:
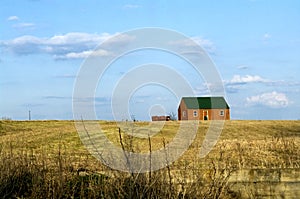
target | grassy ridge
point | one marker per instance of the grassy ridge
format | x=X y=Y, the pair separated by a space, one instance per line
x=46 y=159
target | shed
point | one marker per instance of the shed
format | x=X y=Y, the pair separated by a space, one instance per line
x=161 y=118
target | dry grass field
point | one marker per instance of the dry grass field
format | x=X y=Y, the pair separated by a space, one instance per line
x=46 y=159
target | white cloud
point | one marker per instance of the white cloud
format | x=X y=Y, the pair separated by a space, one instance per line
x=118 y=40
x=22 y=45
x=193 y=42
x=238 y=79
x=80 y=45
x=75 y=45
x=205 y=43
x=284 y=83
x=24 y=40
x=85 y=54
x=208 y=89
x=67 y=46
x=272 y=100
x=24 y=25
x=13 y=18
x=201 y=90
x=77 y=38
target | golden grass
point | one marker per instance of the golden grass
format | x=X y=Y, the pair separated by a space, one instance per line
x=251 y=143
x=54 y=147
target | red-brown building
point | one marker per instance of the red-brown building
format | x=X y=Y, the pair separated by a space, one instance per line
x=203 y=108
x=161 y=118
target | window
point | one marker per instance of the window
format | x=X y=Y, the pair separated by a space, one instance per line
x=221 y=112
x=195 y=113
x=183 y=114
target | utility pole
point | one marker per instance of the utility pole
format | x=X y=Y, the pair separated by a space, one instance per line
x=29 y=115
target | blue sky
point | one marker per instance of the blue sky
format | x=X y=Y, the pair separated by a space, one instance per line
x=255 y=45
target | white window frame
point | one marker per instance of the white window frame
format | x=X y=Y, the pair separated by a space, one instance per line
x=222 y=112
x=195 y=113
x=183 y=113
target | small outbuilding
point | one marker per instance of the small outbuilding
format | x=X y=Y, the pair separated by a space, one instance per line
x=161 y=118
x=203 y=108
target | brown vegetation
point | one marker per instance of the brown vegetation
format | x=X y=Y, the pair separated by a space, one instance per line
x=45 y=159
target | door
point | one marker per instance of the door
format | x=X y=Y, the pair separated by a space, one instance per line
x=205 y=115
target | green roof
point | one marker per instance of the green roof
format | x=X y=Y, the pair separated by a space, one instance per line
x=205 y=102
